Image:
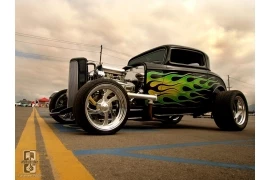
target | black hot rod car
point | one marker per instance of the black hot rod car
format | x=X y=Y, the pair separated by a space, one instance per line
x=162 y=84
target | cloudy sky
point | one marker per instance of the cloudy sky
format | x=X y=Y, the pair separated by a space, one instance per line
x=224 y=29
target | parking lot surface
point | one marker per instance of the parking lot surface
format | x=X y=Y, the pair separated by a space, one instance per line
x=192 y=149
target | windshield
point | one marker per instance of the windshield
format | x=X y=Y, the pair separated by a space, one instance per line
x=156 y=57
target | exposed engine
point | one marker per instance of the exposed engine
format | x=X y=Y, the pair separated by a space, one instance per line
x=114 y=73
x=127 y=79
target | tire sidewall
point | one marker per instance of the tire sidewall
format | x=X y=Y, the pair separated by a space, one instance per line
x=54 y=99
x=52 y=105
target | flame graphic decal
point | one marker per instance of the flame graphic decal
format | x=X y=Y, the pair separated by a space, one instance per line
x=174 y=88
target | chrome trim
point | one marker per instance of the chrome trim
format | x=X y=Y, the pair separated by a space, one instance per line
x=108 y=69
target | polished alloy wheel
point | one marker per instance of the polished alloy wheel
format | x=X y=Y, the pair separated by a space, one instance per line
x=105 y=107
x=239 y=110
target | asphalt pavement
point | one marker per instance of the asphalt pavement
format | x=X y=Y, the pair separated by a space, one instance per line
x=192 y=149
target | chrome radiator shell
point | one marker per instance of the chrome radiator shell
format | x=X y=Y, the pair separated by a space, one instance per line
x=72 y=82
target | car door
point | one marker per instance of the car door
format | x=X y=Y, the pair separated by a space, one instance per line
x=186 y=83
x=154 y=70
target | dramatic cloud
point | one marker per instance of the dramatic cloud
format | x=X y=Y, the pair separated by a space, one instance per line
x=222 y=29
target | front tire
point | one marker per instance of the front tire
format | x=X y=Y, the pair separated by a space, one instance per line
x=60 y=100
x=231 y=110
x=101 y=107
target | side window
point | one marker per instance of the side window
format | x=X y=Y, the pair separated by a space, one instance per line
x=182 y=56
x=154 y=57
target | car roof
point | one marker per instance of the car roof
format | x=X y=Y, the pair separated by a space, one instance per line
x=169 y=46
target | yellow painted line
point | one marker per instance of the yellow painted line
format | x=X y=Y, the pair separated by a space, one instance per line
x=64 y=164
x=27 y=142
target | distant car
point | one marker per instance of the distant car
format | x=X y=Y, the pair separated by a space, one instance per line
x=18 y=104
x=26 y=105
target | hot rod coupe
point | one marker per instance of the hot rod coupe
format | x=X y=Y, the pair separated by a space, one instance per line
x=161 y=84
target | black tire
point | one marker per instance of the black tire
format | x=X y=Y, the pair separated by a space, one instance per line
x=54 y=104
x=79 y=106
x=225 y=110
x=172 y=119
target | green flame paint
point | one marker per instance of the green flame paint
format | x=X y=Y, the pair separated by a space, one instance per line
x=173 y=88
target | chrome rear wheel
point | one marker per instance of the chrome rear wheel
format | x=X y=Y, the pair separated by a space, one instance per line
x=230 y=110
x=239 y=110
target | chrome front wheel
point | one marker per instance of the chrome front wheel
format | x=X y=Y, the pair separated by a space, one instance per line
x=101 y=106
x=59 y=100
x=105 y=107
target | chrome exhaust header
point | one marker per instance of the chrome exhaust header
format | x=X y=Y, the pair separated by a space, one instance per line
x=151 y=98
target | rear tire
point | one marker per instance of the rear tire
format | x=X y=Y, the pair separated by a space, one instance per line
x=230 y=110
x=60 y=100
x=101 y=107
